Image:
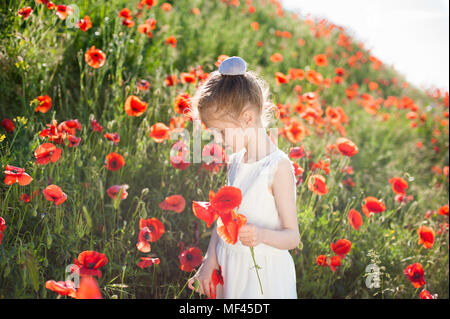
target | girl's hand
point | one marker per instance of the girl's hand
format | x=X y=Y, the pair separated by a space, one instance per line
x=250 y=235
x=203 y=275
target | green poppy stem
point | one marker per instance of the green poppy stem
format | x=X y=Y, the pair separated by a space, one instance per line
x=256 y=268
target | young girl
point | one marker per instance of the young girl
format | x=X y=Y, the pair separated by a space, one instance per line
x=235 y=102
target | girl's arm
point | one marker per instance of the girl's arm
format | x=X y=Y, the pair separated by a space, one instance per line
x=284 y=190
x=211 y=252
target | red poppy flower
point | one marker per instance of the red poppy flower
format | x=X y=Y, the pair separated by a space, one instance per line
x=205 y=212
x=171 y=80
x=125 y=13
x=114 y=190
x=226 y=199
x=355 y=219
x=143 y=85
x=155 y=226
x=114 y=161
x=25 y=12
x=143 y=244
x=96 y=127
x=182 y=103
x=159 y=132
x=415 y=275
x=297 y=152
x=63 y=288
x=47 y=152
x=426 y=236
x=148 y=261
x=62 y=11
x=346 y=147
x=134 y=106
x=2 y=228
x=85 y=23
x=16 y=174
x=25 y=198
x=175 y=203
x=54 y=194
x=321 y=60
x=190 y=258
x=295 y=131
x=89 y=261
x=228 y=226
x=44 y=103
x=187 y=78
x=443 y=210
x=8 y=125
x=372 y=204
x=216 y=279
x=276 y=57
x=341 y=247
x=113 y=137
x=178 y=154
x=317 y=184
x=425 y=294
x=335 y=261
x=171 y=41
x=398 y=185
x=322 y=260
x=95 y=57
x=88 y=289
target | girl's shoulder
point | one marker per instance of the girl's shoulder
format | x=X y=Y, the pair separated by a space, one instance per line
x=274 y=163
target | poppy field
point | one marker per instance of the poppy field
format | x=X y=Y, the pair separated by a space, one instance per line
x=99 y=193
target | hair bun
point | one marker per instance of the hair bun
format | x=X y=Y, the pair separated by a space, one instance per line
x=233 y=66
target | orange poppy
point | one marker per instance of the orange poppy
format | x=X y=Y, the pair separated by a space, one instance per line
x=355 y=219
x=190 y=258
x=321 y=60
x=346 y=147
x=44 y=103
x=16 y=174
x=47 y=152
x=226 y=199
x=415 y=275
x=296 y=131
x=281 y=78
x=155 y=226
x=228 y=225
x=114 y=161
x=95 y=57
x=314 y=77
x=426 y=236
x=205 y=212
x=175 y=203
x=159 y=132
x=54 y=194
x=171 y=80
x=134 y=106
x=187 y=78
x=372 y=204
x=341 y=247
x=63 y=288
x=317 y=184
x=276 y=57
x=89 y=262
x=443 y=210
x=88 y=289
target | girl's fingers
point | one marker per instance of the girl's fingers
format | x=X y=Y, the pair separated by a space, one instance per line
x=191 y=280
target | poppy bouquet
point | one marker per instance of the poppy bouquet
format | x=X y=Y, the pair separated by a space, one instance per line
x=221 y=207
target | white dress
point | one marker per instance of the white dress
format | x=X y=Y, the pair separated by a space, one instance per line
x=277 y=272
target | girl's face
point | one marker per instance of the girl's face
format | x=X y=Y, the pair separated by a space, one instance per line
x=231 y=137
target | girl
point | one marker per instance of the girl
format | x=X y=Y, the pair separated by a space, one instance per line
x=235 y=102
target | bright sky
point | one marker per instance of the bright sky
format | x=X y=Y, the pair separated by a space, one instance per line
x=411 y=35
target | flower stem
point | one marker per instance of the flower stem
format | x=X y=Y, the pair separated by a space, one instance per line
x=256 y=268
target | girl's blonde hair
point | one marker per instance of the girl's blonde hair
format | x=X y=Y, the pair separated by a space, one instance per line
x=227 y=96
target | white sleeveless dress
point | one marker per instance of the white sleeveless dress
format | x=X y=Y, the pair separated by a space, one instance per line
x=277 y=272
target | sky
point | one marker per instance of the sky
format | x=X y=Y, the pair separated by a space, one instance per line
x=410 y=35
